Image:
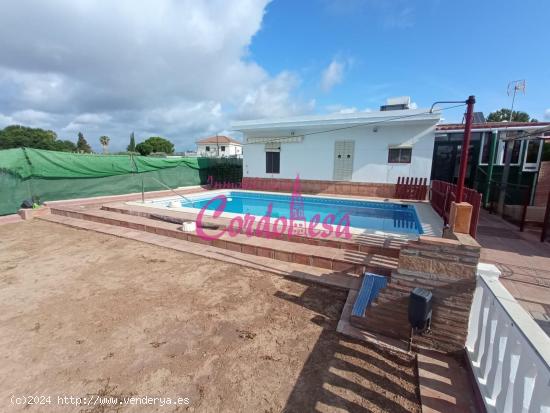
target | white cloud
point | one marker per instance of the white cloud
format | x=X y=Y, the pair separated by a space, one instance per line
x=547 y=114
x=273 y=99
x=332 y=75
x=174 y=68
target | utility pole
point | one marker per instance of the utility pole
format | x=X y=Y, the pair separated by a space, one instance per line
x=465 y=148
x=508 y=145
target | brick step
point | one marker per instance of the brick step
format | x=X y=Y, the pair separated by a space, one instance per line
x=395 y=319
x=419 y=279
x=286 y=269
x=379 y=322
x=381 y=326
x=441 y=312
x=440 y=320
x=435 y=340
x=462 y=291
x=368 y=243
x=334 y=259
x=399 y=293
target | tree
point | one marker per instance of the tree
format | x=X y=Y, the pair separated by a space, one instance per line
x=16 y=136
x=65 y=146
x=155 y=144
x=82 y=145
x=503 y=115
x=104 y=141
x=132 y=146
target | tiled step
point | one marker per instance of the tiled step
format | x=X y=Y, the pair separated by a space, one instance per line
x=286 y=269
x=338 y=260
x=369 y=243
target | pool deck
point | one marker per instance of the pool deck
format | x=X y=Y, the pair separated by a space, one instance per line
x=523 y=260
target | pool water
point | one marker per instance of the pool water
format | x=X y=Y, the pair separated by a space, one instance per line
x=379 y=216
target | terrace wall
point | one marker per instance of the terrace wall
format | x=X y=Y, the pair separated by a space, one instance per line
x=308 y=186
x=446 y=267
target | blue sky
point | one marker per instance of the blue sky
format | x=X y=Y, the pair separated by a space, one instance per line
x=430 y=50
x=185 y=69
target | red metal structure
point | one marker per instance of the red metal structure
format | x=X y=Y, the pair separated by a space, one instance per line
x=442 y=194
x=465 y=148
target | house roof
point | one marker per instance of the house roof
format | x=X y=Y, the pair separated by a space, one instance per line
x=446 y=127
x=219 y=139
x=339 y=119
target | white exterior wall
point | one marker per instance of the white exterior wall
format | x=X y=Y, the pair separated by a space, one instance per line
x=231 y=149
x=313 y=158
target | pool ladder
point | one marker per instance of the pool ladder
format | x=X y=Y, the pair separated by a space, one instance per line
x=165 y=186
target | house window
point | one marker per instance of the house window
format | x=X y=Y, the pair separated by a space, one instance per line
x=516 y=150
x=208 y=149
x=485 y=149
x=532 y=155
x=272 y=162
x=223 y=148
x=399 y=155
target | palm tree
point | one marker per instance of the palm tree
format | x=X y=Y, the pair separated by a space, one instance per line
x=104 y=141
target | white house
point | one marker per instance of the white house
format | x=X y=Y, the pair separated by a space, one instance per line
x=364 y=147
x=219 y=146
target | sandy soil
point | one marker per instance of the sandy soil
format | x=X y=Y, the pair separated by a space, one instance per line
x=85 y=314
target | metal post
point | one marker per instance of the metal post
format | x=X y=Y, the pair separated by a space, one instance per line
x=493 y=137
x=142 y=190
x=465 y=148
x=546 y=217
x=508 y=147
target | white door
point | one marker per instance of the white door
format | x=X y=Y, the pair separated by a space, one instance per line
x=343 y=160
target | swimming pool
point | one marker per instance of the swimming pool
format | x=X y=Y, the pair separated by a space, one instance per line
x=400 y=218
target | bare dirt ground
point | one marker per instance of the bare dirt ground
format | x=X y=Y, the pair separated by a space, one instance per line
x=85 y=314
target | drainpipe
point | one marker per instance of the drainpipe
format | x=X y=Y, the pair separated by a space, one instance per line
x=492 y=150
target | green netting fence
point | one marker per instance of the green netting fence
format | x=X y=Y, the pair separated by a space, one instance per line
x=48 y=175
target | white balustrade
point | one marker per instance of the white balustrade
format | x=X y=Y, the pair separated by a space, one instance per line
x=508 y=351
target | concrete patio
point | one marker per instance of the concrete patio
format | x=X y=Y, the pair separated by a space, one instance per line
x=523 y=260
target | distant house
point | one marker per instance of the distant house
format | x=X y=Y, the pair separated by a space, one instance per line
x=487 y=154
x=219 y=147
x=365 y=148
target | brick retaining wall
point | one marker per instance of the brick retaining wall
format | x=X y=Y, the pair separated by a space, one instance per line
x=543 y=184
x=379 y=190
x=446 y=267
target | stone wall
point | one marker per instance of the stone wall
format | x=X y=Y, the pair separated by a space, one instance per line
x=446 y=267
x=321 y=187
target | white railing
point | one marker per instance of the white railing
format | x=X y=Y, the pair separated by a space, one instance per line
x=508 y=351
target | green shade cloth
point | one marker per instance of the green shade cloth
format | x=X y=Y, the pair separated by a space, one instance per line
x=49 y=175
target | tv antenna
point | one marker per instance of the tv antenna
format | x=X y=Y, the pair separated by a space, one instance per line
x=514 y=87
